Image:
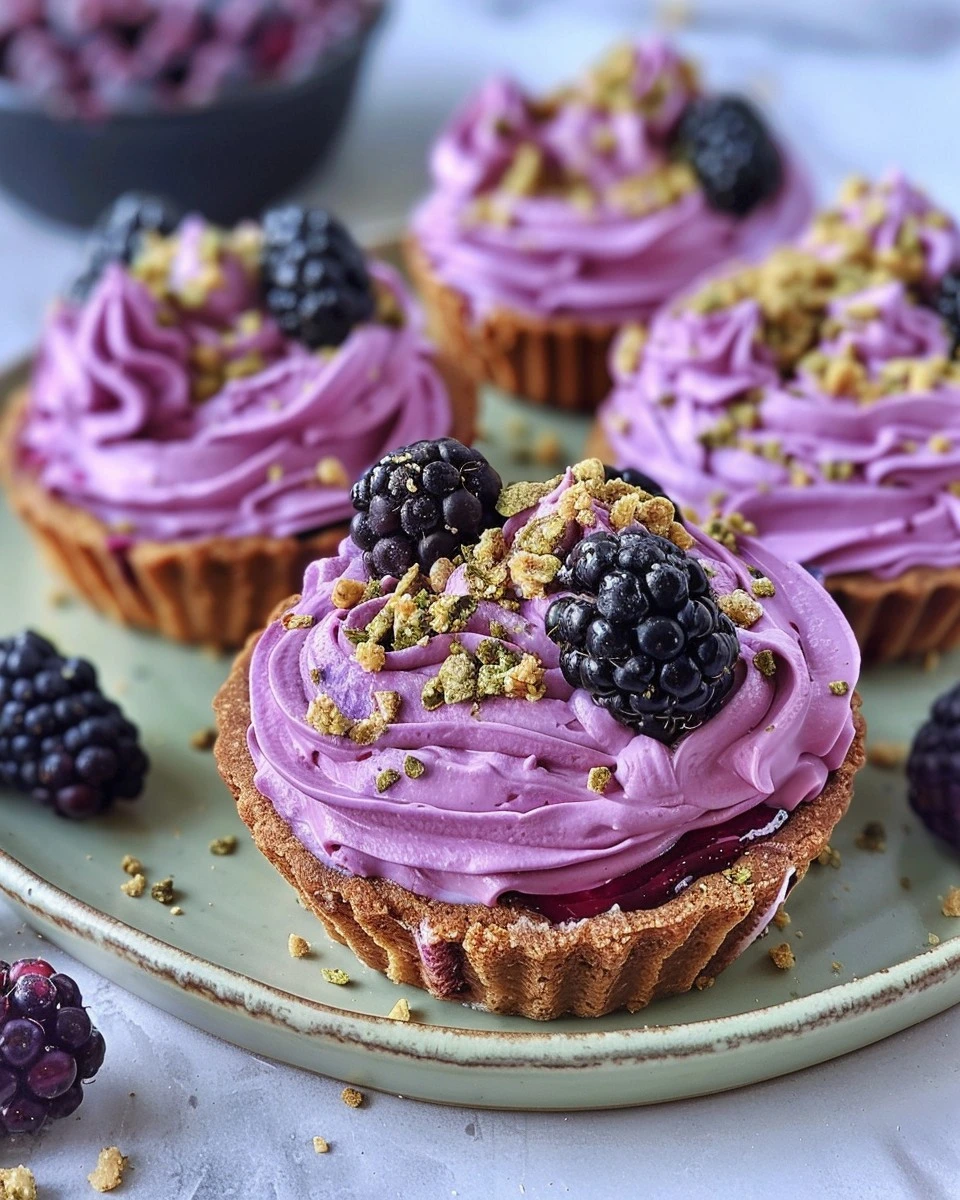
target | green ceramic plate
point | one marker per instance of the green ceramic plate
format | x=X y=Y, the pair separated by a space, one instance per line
x=865 y=968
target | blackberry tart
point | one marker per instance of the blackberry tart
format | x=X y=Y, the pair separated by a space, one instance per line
x=573 y=767
x=200 y=402
x=554 y=220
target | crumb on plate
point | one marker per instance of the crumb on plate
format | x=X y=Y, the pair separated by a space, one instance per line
x=782 y=956
x=351 y=1097
x=108 y=1173
x=298 y=946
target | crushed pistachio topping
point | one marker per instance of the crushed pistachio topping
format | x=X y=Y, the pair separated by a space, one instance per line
x=783 y=957
x=135 y=886
x=388 y=704
x=297 y=946
x=741 y=608
x=726 y=528
x=347 y=593
x=766 y=663
x=386 y=779
x=413 y=768
x=839 y=687
x=762 y=587
x=495 y=670
x=872 y=837
x=292 y=620
x=335 y=975
x=325 y=717
x=162 y=891
x=371 y=656
x=598 y=779
x=332 y=473
x=222 y=846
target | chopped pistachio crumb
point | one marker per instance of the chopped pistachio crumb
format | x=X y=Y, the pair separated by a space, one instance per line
x=519 y=496
x=598 y=778
x=370 y=656
x=828 y=857
x=872 y=837
x=335 y=975
x=741 y=608
x=839 y=687
x=413 y=768
x=400 y=1011
x=781 y=918
x=108 y=1173
x=351 y=1097
x=762 y=587
x=836 y=966
x=498 y=630
x=386 y=779
x=369 y=730
x=951 y=903
x=321 y=1145
x=203 y=739
x=131 y=865
x=782 y=957
x=739 y=874
x=135 y=886
x=297 y=946
x=765 y=662
x=388 y=704
x=292 y=620
x=17 y=1183
x=887 y=755
x=325 y=717
x=162 y=891
x=702 y=982
x=224 y=845
x=347 y=593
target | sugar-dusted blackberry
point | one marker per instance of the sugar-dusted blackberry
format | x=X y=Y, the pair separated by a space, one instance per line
x=933 y=769
x=422 y=503
x=642 y=632
x=946 y=301
x=48 y=1046
x=62 y=742
x=119 y=233
x=314 y=276
x=728 y=145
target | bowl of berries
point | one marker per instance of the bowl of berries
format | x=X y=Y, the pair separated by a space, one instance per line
x=221 y=107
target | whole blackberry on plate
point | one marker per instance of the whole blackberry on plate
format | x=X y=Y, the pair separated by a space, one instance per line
x=118 y=235
x=642 y=633
x=61 y=740
x=728 y=145
x=314 y=276
x=48 y=1046
x=933 y=769
x=946 y=301
x=422 y=503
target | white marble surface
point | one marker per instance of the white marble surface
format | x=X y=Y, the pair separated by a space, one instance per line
x=859 y=85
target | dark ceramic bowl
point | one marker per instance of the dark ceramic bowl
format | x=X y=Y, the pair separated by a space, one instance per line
x=227 y=160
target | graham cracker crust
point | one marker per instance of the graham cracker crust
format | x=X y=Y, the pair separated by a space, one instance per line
x=512 y=960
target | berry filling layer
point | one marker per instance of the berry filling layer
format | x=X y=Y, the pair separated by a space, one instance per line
x=199 y=382
x=816 y=393
x=423 y=730
x=605 y=198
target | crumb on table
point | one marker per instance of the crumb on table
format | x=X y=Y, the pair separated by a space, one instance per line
x=298 y=946
x=108 y=1173
x=17 y=1183
x=782 y=956
x=351 y=1097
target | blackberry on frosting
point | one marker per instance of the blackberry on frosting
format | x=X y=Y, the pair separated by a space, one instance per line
x=120 y=234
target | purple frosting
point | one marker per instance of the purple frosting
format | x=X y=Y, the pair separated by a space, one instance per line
x=503 y=804
x=553 y=257
x=892 y=506
x=112 y=426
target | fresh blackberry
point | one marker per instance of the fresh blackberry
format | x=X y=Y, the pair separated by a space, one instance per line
x=422 y=503
x=643 y=633
x=933 y=769
x=118 y=235
x=728 y=145
x=48 y=1046
x=946 y=301
x=61 y=740
x=314 y=276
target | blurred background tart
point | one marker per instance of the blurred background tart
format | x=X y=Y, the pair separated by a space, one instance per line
x=200 y=403
x=575 y=768
x=817 y=396
x=553 y=220
x=223 y=106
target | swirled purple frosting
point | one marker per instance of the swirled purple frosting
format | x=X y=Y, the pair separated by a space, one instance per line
x=610 y=259
x=858 y=482
x=114 y=424
x=503 y=803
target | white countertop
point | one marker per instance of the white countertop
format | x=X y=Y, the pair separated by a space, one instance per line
x=858 y=85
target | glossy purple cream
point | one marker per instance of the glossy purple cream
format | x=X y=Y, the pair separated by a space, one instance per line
x=840 y=482
x=115 y=424
x=503 y=805
x=603 y=261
